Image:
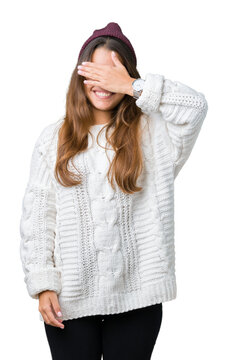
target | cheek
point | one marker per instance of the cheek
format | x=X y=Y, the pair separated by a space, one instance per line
x=120 y=96
x=87 y=89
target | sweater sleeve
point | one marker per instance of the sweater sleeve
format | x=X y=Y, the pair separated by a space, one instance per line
x=37 y=227
x=182 y=108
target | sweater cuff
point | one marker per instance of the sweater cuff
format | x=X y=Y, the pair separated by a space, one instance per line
x=45 y=279
x=150 y=97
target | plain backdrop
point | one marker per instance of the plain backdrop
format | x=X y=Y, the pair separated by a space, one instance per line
x=184 y=41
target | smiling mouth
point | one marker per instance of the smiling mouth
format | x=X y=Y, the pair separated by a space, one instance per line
x=103 y=94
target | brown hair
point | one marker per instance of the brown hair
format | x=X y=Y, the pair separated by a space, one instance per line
x=125 y=120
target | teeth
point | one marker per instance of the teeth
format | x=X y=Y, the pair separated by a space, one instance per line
x=102 y=94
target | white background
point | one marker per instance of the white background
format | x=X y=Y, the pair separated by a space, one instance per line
x=183 y=40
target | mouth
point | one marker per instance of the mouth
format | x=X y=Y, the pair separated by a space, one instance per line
x=104 y=95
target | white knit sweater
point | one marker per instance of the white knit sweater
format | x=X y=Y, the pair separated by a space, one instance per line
x=105 y=251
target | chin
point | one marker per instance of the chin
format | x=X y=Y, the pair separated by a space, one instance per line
x=103 y=107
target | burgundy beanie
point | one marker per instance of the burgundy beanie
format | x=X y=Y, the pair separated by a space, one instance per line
x=114 y=30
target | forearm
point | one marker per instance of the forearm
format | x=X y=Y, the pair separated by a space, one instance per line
x=37 y=229
x=183 y=110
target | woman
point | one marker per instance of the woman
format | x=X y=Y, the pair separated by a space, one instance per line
x=97 y=228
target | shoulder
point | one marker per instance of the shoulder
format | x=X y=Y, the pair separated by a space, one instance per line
x=48 y=135
x=49 y=132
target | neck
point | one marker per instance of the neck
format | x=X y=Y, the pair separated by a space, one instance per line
x=101 y=116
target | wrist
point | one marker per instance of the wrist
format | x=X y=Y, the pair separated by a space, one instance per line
x=129 y=88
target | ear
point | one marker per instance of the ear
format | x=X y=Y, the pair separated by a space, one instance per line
x=115 y=59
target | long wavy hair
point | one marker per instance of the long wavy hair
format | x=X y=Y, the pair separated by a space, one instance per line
x=125 y=138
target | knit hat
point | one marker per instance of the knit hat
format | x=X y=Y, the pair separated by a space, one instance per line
x=114 y=30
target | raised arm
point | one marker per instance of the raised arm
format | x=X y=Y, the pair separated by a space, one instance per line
x=37 y=226
x=183 y=110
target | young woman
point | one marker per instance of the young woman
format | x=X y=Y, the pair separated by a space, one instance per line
x=97 y=228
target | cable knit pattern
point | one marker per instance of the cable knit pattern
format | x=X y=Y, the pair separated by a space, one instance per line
x=101 y=250
x=183 y=110
x=37 y=226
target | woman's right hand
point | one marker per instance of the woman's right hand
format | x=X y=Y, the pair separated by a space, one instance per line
x=49 y=308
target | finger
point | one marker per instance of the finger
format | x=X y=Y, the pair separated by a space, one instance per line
x=90 y=74
x=94 y=68
x=46 y=320
x=93 y=65
x=116 y=60
x=91 y=82
x=52 y=320
x=56 y=307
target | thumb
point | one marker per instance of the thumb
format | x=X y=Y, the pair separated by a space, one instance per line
x=55 y=305
x=115 y=59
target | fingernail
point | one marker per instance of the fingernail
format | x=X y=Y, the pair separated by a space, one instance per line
x=59 y=313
